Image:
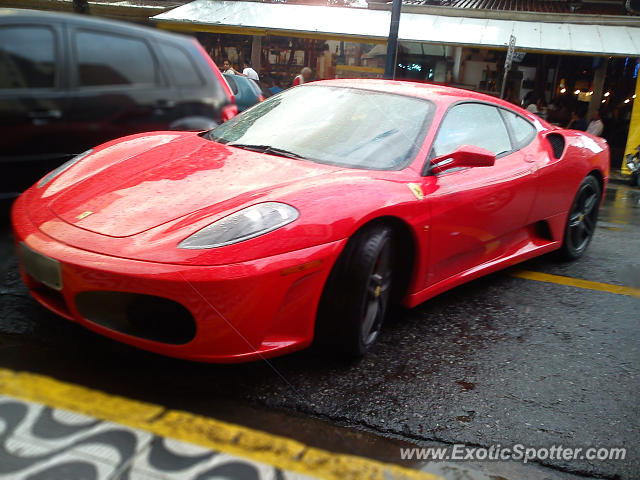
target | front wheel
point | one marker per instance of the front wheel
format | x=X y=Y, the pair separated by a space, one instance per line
x=581 y=222
x=356 y=296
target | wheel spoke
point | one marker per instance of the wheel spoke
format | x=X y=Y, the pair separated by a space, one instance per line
x=590 y=203
x=370 y=318
x=588 y=225
x=577 y=235
x=582 y=200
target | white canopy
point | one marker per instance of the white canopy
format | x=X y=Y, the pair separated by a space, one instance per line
x=372 y=26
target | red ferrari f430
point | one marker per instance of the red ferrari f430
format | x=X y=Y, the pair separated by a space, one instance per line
x=303 y=218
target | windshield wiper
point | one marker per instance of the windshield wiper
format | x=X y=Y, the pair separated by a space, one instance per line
x=266 y=149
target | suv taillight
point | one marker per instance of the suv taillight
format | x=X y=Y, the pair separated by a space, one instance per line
x=229 y=112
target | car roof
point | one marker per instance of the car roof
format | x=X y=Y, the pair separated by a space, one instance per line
x=440 y=94
x=18 y=15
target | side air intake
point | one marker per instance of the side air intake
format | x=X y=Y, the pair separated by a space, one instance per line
x=557 y=144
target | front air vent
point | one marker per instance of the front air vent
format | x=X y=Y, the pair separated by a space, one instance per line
x=557 y=144
x=144 y=316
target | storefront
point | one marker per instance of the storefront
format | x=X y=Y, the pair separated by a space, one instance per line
x=573 y=63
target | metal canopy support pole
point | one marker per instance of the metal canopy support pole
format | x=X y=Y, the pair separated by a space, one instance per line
x=256 y=53
x=392 y=42
x=595 y=102
x=507 y=64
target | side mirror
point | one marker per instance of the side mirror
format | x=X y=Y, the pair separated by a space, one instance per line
x=463 y=156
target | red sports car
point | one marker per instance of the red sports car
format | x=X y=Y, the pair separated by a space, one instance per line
x=303 y=218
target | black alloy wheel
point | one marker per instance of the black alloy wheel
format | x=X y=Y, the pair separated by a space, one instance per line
x=581 y=222
x=357 y=293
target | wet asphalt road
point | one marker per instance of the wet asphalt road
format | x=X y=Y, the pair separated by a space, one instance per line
x=500 y=360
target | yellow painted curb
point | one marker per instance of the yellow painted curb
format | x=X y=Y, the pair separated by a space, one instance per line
x=576 y=282
x=259 y=446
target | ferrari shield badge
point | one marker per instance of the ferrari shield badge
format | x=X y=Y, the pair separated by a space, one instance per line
x=416 y=189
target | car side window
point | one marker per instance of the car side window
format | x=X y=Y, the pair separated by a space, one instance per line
x=109 y=59
x=184 y=71
x=232 y=84
x=27 y=57
x=523 y=131
x=474 y=124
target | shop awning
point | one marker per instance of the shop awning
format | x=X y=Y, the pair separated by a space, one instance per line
x=372 y=26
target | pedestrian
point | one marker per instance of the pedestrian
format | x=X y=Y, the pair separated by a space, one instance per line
x=533 y=107
x=273 y=84
x=303 y=77
x=596 y=126
x=577 y=122
x=227 y=68
x=250 y=72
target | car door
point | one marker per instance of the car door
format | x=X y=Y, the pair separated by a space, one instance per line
x=478 y=214
x=33 y=103
x=119 y=88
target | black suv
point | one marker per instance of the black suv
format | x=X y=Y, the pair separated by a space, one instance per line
x=70 y=82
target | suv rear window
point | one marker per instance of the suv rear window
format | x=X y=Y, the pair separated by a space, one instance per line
x=108 y=59
x=27 y=57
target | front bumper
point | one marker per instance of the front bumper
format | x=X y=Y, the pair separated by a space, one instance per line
x=242 y=312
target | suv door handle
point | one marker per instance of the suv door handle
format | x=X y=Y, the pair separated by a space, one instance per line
x=165 y=104
x=44 y=114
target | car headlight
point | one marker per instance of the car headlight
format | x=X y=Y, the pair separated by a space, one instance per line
x=54 y=173
x=242 y=225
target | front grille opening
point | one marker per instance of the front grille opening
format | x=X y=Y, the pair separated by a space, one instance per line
x=143 y=316
x=557 y=144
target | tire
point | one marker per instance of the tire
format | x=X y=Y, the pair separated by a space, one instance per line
x=582 y=219
x=357 y=294
x=635 y=179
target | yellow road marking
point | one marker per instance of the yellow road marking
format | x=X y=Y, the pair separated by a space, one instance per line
x=576 y=282
x=259 y=446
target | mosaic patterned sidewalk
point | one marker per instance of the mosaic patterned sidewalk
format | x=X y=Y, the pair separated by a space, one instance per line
x=38 y=442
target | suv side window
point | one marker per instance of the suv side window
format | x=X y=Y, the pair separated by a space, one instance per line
x=474 y=124
x=181 y=65
x=523 y=131
x=110 y=59
x=27 y=57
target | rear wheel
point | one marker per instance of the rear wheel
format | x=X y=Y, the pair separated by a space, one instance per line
x=356 y=296
x=581 y=222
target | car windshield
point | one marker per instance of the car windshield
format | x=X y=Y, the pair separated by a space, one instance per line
x=341 y=126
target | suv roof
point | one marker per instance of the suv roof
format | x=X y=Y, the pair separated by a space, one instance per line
x=17 y=15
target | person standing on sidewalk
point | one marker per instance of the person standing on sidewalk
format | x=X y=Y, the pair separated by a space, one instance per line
x=596 y=126
x=303 y=77
x=250 y=72
x=227 y=68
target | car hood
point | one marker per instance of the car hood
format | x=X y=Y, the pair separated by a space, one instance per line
x=166 y=181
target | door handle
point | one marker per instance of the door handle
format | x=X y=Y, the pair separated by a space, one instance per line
x=165 y=104
x=44 y=114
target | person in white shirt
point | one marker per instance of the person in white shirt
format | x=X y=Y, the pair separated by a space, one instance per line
x=596 y=126
x=250 y=72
